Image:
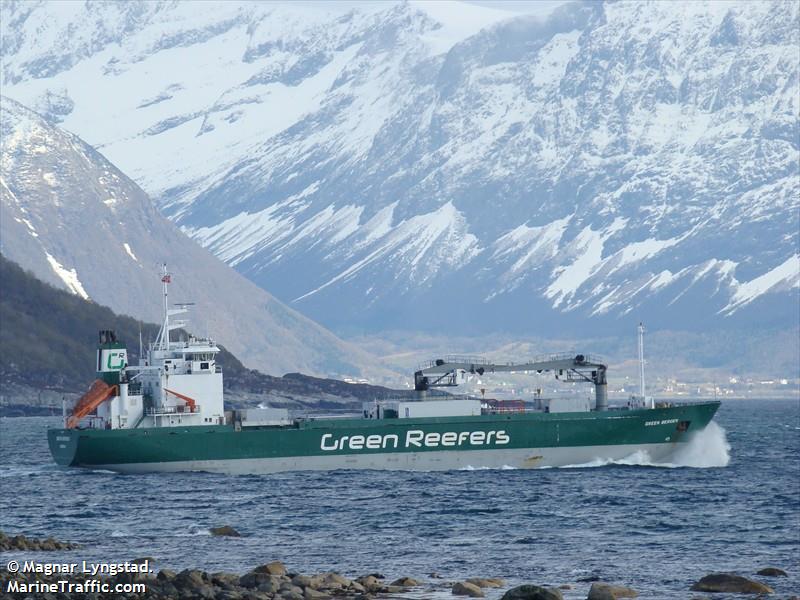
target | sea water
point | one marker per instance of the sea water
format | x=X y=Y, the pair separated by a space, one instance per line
x=730 y=501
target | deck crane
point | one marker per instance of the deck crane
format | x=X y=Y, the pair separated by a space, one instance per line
x=444 y=372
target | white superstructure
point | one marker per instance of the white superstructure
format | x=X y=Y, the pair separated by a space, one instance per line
x=177 y=382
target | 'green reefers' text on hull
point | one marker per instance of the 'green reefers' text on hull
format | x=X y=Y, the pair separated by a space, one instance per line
x=517 y=440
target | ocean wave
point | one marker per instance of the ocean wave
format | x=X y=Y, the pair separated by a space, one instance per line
x=118 y=533
x=706 y=450
x=25 y=470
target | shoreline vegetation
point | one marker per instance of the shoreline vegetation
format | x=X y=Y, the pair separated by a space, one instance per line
x=274 y=581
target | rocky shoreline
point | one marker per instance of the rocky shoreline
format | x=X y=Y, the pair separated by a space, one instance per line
x=274 y=581
x=20 y=542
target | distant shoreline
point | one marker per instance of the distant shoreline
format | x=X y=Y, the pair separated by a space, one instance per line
x=12 y=410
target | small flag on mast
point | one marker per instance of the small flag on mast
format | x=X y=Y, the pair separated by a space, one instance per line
x=166 y=279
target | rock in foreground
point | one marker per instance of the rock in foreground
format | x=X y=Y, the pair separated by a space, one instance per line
x=464 y=588
x=486 y=582
x=726 y=582
x=772 y=572
x=225 y=531
x=405 y=582
x=276 y=568
x=267 y=582
x=532 y=592
x=20 y=542
x=607 y=591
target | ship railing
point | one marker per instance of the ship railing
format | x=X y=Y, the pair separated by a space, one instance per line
x=590 y=358
x=429 y=395
x=171 y=410
x=480 y=360
x=327 y=416
x=455 y=358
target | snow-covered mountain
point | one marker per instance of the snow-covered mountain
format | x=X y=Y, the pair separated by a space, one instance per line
x=445 y=165
x=75 y=221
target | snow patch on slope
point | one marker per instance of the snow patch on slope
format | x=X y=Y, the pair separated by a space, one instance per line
x=533 y=243
x=787 y=273
x=421 y=245
x=588 y=249
x=458 y=21
x=639 y=251
x=129 y=251
x=68 y=276
x=554 y=57
x=237 y=238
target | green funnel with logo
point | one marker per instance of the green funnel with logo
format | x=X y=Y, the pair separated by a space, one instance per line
x=112 y=358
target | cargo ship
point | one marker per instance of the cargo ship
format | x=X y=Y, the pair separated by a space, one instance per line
x=167 y=414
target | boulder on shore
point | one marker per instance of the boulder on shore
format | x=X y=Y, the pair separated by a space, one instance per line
x=607 y=591
x=772 y=572
x=487 y=582
x=330 y=581
x=225 y=531
x=405 y=582
x=276 y=568
x=727 y=582
x=20 y=542
x=370 y=583
x=532 y=592
x=191 y=579
x=464 y=588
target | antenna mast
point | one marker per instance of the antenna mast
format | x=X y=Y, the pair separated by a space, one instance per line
x=641 y=361
x=162 y=342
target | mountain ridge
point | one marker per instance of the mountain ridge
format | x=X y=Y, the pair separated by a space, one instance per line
x=531 y=174
x=77 y=222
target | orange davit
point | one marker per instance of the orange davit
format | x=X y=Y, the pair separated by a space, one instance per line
x=97 y=394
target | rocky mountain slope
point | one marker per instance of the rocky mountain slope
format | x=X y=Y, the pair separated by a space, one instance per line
x=75 y=221
x=437 y=166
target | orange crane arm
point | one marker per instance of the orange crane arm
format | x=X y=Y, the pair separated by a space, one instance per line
x=190 y=401
x=97 y=394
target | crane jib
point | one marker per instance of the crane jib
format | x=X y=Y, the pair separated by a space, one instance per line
x=444 y=372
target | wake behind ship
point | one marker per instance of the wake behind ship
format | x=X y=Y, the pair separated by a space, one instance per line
x=167 y=414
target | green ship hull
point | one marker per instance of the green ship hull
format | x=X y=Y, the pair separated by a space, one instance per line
x=516 y=440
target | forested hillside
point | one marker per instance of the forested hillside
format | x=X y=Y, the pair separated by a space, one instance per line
x=48 y=338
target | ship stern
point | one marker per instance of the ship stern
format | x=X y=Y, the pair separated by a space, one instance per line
x=63 y=445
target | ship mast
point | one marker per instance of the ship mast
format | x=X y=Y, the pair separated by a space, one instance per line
x=162 y=341
x=641 y=362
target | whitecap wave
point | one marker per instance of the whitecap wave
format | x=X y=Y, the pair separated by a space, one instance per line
x=500 y=468
x=119 y=533
x=705 y=450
